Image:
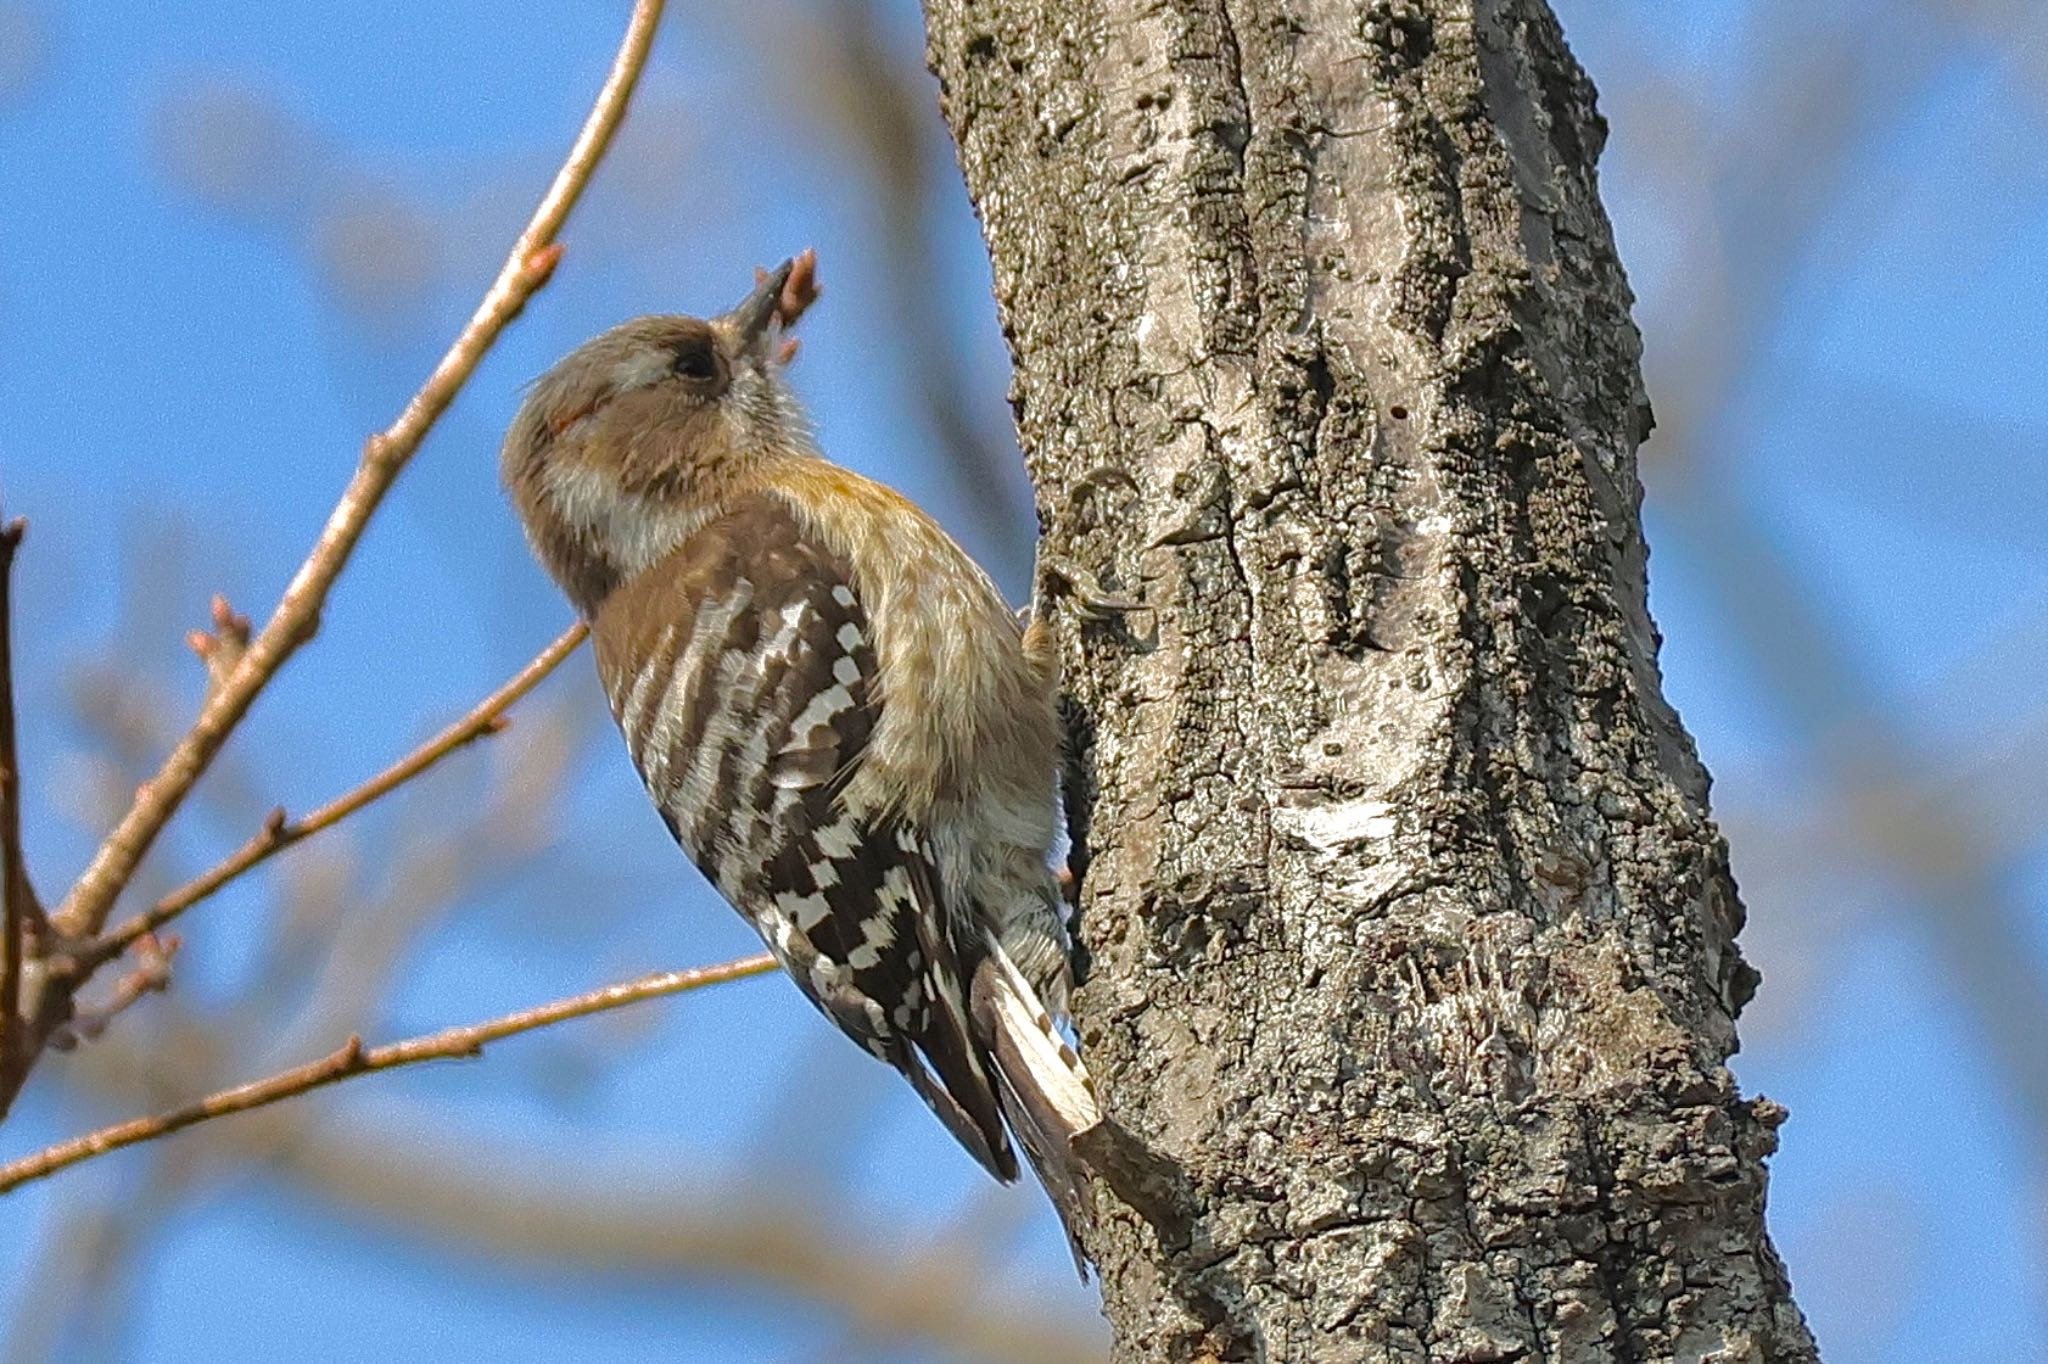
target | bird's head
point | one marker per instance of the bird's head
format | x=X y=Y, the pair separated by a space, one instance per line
x=625 y=446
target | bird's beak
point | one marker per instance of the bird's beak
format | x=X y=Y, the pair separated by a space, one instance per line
x=752 y=322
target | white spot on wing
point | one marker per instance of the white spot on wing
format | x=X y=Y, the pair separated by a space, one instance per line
x=805 y=911
x=838 y=839
x=785 y=634
x=878 y=930
x=895 y=889
x=822 y=709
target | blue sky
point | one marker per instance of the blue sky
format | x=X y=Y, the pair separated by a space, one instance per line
x=195 y=350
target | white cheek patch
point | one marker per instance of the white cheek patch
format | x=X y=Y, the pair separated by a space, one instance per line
x=635 y=533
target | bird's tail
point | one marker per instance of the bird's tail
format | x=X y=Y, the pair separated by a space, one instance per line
x=1046 y=1095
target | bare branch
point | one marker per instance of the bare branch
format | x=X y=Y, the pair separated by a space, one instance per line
x=526 y=269
x=151 y=976
x=18 y=907
x=277 y=833
x=351 y=1058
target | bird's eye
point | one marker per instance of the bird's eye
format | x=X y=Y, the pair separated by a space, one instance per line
x=694 y=360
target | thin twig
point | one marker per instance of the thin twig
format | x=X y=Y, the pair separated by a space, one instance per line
x=533 y=258
x=151 y=976
x=18 y=908
x=278 y=833
x=352 y=1058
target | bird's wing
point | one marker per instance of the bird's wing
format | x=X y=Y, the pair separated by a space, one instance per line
x=742 y=671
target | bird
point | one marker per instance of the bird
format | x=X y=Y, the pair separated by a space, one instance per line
x=831 y=706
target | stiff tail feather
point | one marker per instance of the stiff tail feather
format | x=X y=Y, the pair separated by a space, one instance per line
x=1046 y=1095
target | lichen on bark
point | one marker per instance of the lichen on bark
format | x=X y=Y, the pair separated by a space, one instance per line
x=1410 y=941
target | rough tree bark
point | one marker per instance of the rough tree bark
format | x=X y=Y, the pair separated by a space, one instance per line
x=1411 y=939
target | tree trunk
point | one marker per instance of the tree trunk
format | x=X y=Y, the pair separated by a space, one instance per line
x=1410 y=941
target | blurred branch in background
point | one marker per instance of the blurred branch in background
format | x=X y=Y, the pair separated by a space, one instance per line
x=24 y=46
x=1821 y=102
x=1752 y=206
x=95 y=1268
x=886 y=1288
x=872 y=98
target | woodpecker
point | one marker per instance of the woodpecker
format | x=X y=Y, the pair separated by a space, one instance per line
x=829 y=703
